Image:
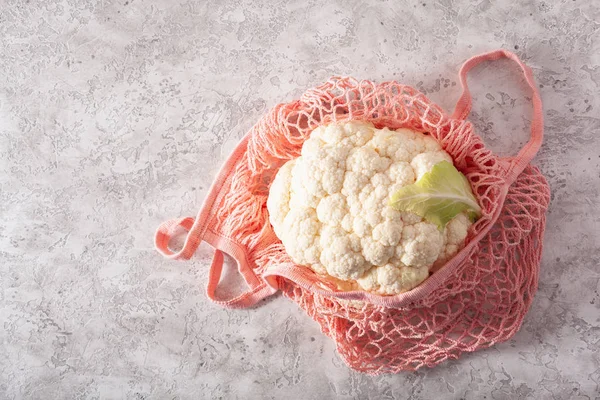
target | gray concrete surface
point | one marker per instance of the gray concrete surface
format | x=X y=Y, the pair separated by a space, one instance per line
x=115 y=116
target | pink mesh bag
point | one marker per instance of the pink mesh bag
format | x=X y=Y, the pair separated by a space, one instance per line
x=475 y=300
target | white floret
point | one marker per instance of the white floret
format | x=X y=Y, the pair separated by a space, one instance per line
x=392 y=279
x=423 y=162
x=330 y=208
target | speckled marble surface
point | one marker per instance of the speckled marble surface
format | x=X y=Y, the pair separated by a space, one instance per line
x=115 y=116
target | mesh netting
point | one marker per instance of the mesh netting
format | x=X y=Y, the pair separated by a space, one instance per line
x=477 y=299
x=480 y=303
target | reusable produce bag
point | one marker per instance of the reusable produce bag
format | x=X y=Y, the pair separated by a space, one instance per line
x=475 y=300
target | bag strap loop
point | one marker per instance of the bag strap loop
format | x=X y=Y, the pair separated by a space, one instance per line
x=463 y=107
x=258 y=288
x=168 y=229
x=197 y=230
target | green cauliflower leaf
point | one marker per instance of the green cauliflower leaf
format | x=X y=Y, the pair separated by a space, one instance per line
x=440 y=195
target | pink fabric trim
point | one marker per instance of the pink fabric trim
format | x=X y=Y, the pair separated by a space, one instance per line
x=463 y=107
x=198 y=231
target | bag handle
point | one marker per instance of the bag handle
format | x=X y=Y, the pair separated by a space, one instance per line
x=257 y=290
x=463 y=107
x=197 y=230
x=168 y=229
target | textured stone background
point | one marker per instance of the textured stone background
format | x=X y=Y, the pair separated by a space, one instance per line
x=115 y=116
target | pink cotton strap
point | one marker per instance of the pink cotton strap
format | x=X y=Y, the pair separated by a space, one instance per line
x=197 y=230
x=244 y=300
x=167 y=230
x=197 y=227
x=258 y=288
x=463 y=107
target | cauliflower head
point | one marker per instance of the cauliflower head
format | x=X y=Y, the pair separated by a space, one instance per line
x=329 y=207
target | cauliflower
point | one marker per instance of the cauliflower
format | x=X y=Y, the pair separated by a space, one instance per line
x=330 y=208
